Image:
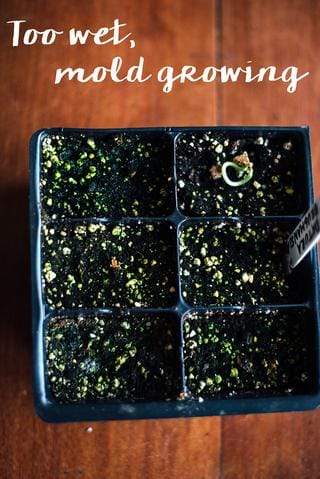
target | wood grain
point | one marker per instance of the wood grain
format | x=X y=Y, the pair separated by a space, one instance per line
x=176 y=33
x=271 y=33
x=271 y=446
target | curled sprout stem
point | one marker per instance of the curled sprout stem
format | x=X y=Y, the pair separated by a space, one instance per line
x=245 y=173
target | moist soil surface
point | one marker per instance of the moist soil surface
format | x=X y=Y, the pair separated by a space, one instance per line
x=116 y=175
x=275 y=188
x=233 y=263
x=255 y=354
x=120 y=357
x=93 y=257
x=109 y=265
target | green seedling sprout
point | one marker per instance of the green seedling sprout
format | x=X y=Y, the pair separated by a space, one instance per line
x=243 y=168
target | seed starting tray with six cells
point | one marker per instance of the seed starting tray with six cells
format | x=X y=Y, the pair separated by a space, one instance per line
x=158 y=289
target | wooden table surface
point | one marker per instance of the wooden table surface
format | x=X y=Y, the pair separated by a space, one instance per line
x=202 y=32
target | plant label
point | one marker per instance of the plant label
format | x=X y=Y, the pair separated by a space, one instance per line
x=305 y=236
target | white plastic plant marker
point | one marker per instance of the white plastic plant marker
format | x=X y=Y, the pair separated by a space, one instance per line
x=305 y=235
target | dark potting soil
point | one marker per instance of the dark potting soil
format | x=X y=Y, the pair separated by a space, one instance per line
x=109 y=265
x=115 y=175
x=120 y=357
x=232 y=263
x=275 y=187
x=248 y=354
x=133 y=264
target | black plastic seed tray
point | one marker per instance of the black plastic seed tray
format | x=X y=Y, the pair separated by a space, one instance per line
x=160 y=291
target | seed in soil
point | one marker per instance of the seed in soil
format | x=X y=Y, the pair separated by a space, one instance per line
x=248 y=354
x=113 y=357
x=232 y=263
x=114 y=175
x=215 y=177
x=109 y=264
